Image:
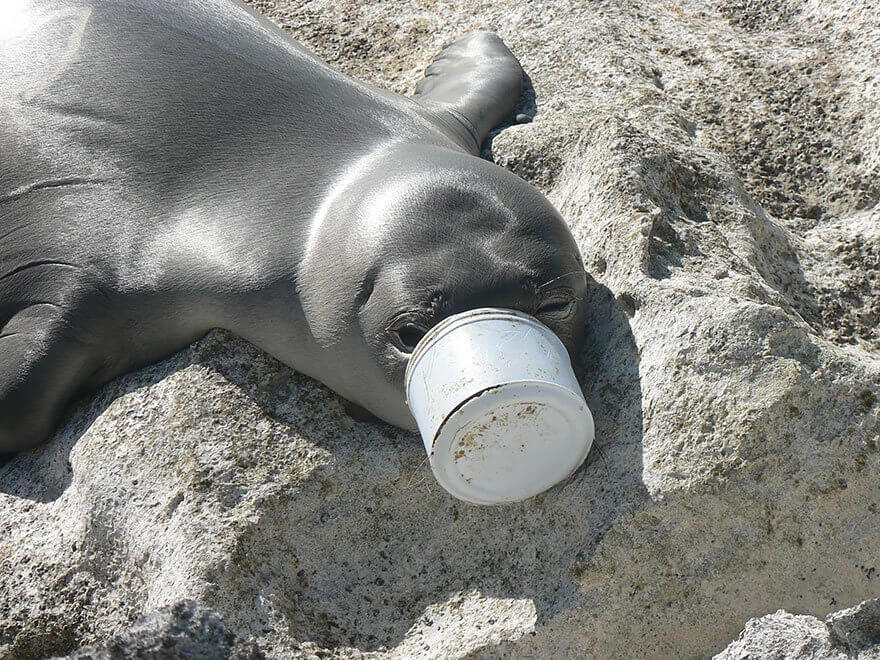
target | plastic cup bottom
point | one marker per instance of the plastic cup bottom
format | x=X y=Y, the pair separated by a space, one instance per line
x=511 y=442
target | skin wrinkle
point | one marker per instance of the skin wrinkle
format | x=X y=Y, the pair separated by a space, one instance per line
x=13 y=231
x=366 y=288
x=490 y=256
x=51 y=183
x=47 y=304
x=459 y=122
x=467 y=125
x=38 y=264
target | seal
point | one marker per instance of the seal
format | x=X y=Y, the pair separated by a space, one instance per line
x=168 y=168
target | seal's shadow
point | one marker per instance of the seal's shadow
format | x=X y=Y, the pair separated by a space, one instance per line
x=360 y=552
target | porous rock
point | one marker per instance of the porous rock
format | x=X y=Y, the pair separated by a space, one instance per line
x=182 y=630
x=850 y=633
x=718 y=162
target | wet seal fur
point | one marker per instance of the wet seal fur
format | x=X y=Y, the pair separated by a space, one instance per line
x=168 y=168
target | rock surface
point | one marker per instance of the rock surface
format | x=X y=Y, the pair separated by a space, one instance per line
x=850 y=633
x=182 y=630
x=719 y=164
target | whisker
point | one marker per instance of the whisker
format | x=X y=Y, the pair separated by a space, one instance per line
x=571 y=272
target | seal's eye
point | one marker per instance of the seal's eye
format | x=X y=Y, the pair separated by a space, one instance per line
x=406 y=334
x=559 y=307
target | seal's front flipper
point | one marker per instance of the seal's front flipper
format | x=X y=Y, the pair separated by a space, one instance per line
x=477 y=81
x=39 y=373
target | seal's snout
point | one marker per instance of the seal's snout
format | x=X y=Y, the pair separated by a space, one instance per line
x=499 y=408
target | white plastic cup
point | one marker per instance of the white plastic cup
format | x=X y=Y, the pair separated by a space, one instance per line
x=498 y=406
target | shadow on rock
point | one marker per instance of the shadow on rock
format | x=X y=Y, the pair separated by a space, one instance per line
x=182 y=630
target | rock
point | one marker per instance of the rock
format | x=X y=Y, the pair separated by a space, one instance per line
x=857 y=629
x=782 y=635
x=851 y=633
x=718 y=162
x=183 y=630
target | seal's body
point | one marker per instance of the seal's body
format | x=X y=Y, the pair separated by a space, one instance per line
x=167 y=168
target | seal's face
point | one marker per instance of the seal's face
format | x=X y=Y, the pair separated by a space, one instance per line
x=417 y=235
x=513 y=252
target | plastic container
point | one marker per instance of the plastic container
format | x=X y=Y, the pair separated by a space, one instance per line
x=498 y=406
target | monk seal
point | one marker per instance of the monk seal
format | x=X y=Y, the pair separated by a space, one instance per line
x=168 y=168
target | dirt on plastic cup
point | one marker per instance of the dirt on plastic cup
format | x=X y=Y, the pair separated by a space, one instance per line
x=498 y=406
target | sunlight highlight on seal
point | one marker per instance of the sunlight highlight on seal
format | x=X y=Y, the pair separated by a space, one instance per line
x=13 y=19
x=337 y=190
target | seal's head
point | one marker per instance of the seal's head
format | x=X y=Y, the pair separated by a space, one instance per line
x=421 y=235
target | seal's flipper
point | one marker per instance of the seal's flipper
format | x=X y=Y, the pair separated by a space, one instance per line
x=38 y=376
x=48 y=347
x=477 y=80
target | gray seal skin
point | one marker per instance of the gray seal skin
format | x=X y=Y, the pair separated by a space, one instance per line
x=171 y=167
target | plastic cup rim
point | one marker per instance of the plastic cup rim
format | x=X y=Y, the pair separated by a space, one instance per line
x=548 y=384
x=464 y=318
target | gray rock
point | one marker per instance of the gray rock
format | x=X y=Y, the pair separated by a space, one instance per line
x=719 y=164
x=182 y=630
x=781 y=635
x=857 y=629
x=850 y=633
